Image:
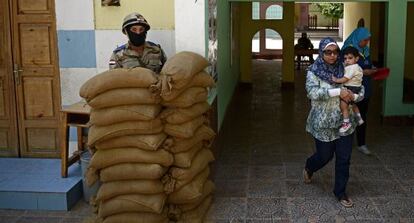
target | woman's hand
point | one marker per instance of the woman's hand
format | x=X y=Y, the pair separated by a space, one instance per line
x=369 y=72
x=346 y=95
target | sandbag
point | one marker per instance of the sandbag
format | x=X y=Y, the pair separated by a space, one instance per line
x=192 y=191
x=184 y=176
x=185 y=130
x=176 y=210
x=101 y=133
x=146 y=142
x=182 y=115
x=181 y=68
x=189 y=97
x=208 y=189
x=105 y=158
x=124 y=96
x=202 y=79
x=153 y=203
x=112 y=115
x=176 y=145
x=184 y=159
x=132 y=171
x=196 y=215
x=136 y=217
x=117 y=78
x=112 y=189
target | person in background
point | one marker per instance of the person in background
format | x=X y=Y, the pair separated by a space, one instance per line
x=325 y=118
x=359 y=39
x=137 y=52
x=305 y=43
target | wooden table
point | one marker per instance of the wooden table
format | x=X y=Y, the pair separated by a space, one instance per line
x=299 y=53
x=76 y=115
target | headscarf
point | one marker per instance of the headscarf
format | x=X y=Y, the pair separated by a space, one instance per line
x=324 y=70
x=357 y=36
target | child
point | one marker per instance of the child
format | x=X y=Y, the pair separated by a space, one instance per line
x=352 y=80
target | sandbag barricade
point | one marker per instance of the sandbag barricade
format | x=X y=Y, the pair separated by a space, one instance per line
x=184 y=95
x=152 y=142
x=127 y=136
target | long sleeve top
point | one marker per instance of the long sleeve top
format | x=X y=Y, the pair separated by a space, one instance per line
x=325 y=117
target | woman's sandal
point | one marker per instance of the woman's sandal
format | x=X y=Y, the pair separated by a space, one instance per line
x=307 y=177
x=346 y=201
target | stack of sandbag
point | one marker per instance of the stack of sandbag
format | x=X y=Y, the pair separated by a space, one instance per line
x=184 y=85
x=127 y=135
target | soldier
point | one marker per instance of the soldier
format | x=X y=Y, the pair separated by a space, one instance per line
x=137 y=52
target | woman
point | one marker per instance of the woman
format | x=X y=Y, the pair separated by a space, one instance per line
x=359 y=39
x=325 y=118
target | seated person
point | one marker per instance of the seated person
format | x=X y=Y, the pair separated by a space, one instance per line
x=305 y=43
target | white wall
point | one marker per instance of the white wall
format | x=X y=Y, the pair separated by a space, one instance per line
x=74 y=15
x=190 y=26
x=353 y=11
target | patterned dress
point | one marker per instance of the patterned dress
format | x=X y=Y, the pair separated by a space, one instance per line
x=325 y=117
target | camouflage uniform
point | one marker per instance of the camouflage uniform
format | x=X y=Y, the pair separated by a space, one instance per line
x=153 y=57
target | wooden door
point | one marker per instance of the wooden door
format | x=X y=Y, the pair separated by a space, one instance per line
x=8 y=124
x=37 y=83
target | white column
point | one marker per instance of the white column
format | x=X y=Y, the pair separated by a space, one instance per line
x=190 y=30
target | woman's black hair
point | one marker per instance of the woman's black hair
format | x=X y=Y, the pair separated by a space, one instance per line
x=350 y=50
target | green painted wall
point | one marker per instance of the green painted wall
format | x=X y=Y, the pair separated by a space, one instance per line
x=250 y=27
x=395 y=59
x=409 y=48
x=228 y=75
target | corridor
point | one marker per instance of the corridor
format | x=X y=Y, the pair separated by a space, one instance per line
x=258 y=169
x=261 y=155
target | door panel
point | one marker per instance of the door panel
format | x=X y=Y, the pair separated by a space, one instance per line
x=40 y=140
x=8 y=123
x=35 y=41
x=38 y=88
x=33 y=6
x=38 y=98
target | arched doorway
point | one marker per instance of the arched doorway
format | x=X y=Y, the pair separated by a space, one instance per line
x=267 y=53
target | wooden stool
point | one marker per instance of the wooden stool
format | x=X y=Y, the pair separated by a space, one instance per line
x=76 y=115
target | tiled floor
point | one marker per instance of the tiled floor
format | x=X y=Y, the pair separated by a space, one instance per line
x=258 y=171
x=260 y=160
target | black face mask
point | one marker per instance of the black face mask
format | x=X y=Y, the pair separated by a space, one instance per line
x=137 y=39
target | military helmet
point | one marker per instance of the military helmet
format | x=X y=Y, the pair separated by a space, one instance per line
x=135 y=18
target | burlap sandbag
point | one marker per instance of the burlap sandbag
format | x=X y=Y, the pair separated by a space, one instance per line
x=132 y=171
x=185 y=130
x=182 y=115
x=208 y=189
x=146 y=142
x=196 y=215
x=184 y=176
x=184 y=159
x=181 y=68
x=176 y=145
x=112 y=115
x=153 y=203
x=117 y=78
x=101 y=133
x=105 y=158
x=202 y=79
x=136 y=217
x=112 y=189
x=192 y=191
x=189 y=97
x=124 y=96
x=176 y=210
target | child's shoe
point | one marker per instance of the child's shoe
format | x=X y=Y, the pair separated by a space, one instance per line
x=360 y=120
x=345 y=127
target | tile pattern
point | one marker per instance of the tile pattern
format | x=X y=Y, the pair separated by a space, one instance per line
x=261 y=154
